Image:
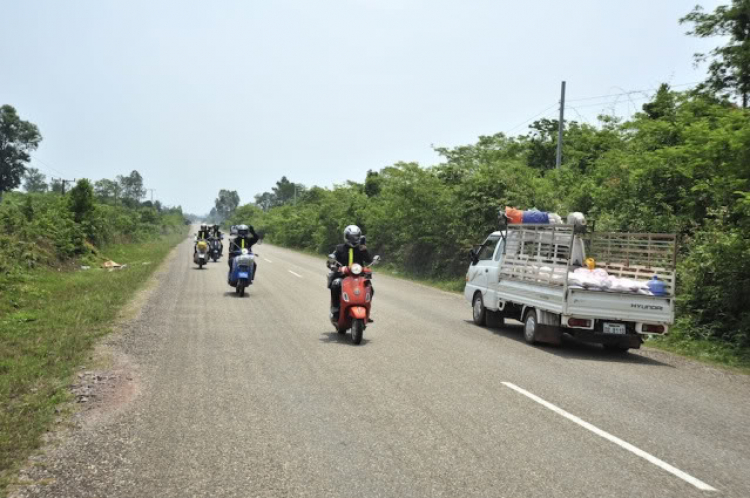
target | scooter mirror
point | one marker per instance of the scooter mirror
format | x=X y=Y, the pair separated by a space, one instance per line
x=376 y=259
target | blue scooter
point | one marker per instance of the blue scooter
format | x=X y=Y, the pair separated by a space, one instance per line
x=241 y=273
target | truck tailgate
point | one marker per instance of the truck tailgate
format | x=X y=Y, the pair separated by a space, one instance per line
x=620 y=306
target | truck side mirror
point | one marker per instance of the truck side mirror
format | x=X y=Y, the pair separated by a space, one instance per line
x=473 y=256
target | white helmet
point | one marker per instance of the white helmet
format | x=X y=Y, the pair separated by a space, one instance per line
x=352 y=235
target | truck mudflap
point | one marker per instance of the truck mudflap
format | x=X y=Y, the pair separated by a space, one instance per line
x=549 y=334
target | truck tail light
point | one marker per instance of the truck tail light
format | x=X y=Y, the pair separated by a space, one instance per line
x=579 y=322
x=653 y=329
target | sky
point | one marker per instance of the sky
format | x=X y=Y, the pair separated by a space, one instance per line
x=200 y=96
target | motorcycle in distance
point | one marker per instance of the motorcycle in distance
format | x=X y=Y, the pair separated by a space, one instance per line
x=241 y=273
x=200 y=256
x=355 y=298
x=215 y=247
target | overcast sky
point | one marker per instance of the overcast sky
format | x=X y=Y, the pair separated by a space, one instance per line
x=199 y=96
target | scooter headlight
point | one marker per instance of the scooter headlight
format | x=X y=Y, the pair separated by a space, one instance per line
x=356 y=269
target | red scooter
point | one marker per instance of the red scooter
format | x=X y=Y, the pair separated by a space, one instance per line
x=355 y=299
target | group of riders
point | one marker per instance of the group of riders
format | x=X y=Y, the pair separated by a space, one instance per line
x=352 y=251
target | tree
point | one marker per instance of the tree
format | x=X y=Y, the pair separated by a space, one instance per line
x=285 y=191
x=34 y=181
x=265 y=201
x=17 y=139
x=372 y=183
x=82 y=200
x=226 y=203
x=542 y=144
x=729 y=70
x=56 y=186
x=108 y=190
x=132 y=186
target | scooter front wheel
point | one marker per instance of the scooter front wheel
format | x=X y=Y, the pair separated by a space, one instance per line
x=358 y=329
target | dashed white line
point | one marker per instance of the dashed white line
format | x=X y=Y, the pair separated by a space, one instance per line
x=609 y=437
x=267 y=260
x=295 y=274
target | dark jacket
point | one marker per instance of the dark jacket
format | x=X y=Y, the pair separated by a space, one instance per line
x=203 y=234
x=237 y=246
x=360 y=256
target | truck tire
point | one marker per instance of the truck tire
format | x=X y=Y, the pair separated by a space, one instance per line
x=530 y=327
x=479 y=312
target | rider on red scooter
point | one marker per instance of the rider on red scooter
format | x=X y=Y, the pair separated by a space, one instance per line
x=353 y=250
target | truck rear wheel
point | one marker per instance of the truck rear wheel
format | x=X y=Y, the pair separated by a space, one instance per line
x=530 y=327
x=479 y=311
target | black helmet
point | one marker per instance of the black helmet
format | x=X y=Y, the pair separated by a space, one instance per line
x=204 y=227
x=352 y=235
x=243 y=230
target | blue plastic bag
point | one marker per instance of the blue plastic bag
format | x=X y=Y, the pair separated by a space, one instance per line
x=536 y=217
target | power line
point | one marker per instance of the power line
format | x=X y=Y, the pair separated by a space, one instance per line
x=615 y=102
x=533 y=117
x=49 y=167
x=631 y=92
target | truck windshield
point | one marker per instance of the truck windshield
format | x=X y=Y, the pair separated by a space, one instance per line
x=488 y=248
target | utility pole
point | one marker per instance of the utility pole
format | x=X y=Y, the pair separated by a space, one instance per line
x=560 y=125
x=152 y=194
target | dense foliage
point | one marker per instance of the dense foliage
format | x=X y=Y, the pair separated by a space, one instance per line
x=681 y=165
x=49 y=228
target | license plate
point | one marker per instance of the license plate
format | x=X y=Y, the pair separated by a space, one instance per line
x=614 y=328
x=244 y=274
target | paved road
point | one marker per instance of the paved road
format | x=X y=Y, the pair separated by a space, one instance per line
x=257 y=396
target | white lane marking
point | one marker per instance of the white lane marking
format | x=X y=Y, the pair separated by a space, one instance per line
x=623 y=444
x=267 y=260
x=295 y=274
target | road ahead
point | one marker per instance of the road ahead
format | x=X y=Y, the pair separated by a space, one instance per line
x=258 y=396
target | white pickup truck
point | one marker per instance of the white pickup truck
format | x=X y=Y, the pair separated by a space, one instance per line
x=529 y=273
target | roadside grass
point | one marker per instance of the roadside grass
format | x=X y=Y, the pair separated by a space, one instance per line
x=48 y=324
x=707 y=351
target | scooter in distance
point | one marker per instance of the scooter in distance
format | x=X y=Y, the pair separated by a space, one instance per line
x=215 y=248
x=355 y=299
x=200 y=256
x=241 y=272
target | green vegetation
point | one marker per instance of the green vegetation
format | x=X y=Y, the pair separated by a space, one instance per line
x=46 y=238
x=680 y=165
x=45 y=338
x=52 y=309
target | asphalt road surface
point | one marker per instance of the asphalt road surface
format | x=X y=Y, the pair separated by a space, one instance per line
x=258 y=396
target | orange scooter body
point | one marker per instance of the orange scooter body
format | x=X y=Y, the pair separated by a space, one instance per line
x=356 y=298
